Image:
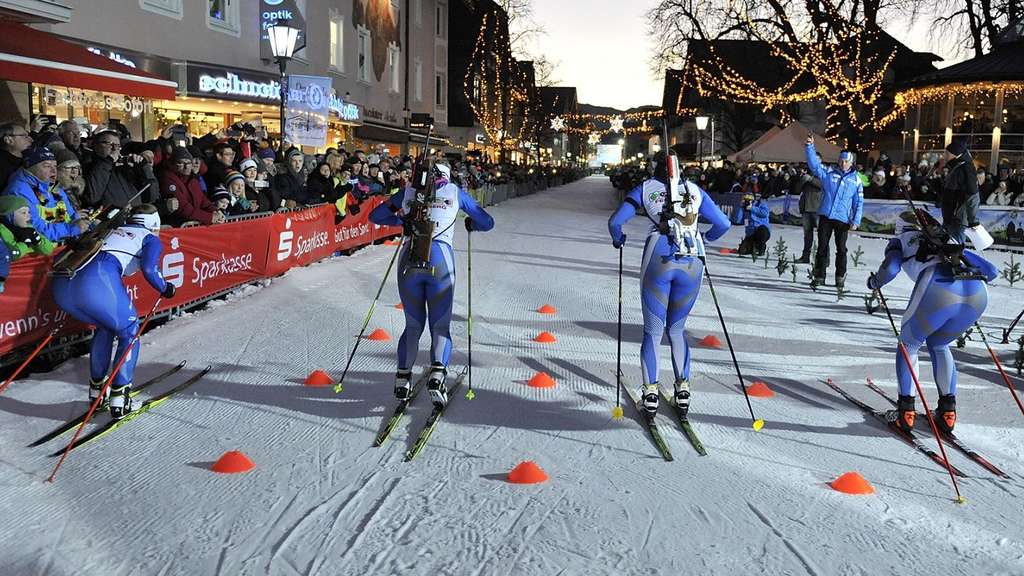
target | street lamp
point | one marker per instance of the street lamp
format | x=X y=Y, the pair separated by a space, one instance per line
x=702 y=123
x=282 y=45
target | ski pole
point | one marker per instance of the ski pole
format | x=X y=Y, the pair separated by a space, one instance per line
x=366 y=322
x=757 y=422
x=469 y=321
x=999 y=366
x=920 y=392
x=1006 y=333
x=617 y=410
x=33 y=355
x=106 y=386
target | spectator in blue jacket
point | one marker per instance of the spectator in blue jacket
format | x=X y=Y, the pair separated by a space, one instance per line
x=754 y=213
x=842 y=204
x=53 y=214
x=5 y=265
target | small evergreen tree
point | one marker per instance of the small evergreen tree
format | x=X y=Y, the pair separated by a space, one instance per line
x=1011 y=271
x=857 y=255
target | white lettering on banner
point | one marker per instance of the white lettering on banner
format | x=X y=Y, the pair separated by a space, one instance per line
x=210 y=269
x=284 y=242
x=232 y=85
x=346 y=233
x=24 y=325
x=307 y=245
x=173 y=267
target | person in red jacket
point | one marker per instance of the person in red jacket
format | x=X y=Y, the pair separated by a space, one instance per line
x=180 y=184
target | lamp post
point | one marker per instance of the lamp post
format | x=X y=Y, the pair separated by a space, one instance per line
x=702 y=123
x=282 y=45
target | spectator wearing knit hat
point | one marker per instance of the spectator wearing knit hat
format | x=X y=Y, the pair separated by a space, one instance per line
x=69 y=176
x=190 y=203
x=16 y=232
x=267 y=159
x=221 y=198
x=234 y=182
x=258 y=189
x=959 y=198
x=52 y=214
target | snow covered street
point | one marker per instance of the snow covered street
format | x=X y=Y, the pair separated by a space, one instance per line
x=322 y=500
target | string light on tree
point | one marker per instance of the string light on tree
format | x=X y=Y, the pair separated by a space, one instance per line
x=558 y=124
x=617 y=124
x=594 y=138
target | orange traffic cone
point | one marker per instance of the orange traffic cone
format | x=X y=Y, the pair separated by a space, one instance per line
x=527 y=473
x=726 y=250
x=233 y=462
x=379 y=334
x=852 y=483
x=318 y=378
x=760 y=389
x=541 y=380
x=547 y=309
x=711 y=341
x=545 y=337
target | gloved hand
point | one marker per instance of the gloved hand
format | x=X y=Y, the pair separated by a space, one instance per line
x=619 y=242
x=27 y=236
x=469 y=224
x=873 y=283
x=168 y=292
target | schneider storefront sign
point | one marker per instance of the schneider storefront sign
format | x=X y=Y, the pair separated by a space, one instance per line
x=232 y=84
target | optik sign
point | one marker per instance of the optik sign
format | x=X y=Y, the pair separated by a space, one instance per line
x=273 y=10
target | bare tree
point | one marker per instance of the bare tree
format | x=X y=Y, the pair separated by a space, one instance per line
x=973 y=25
x=524 y=33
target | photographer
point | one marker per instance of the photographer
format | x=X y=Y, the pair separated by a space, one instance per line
x=758 y=228
x=113 y=179
x=959 y=198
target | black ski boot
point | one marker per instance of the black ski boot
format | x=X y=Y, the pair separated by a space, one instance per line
x=945 y=413
x=802 y=260
x=438 y=391
x=682 y=397
x=840 y=283
x=904 y=414
x=403 y=386
x=94 y=391
x=120 y=402
x=649 y=399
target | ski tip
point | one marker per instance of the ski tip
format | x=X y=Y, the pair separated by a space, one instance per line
x=617 y=413
x=758 y=424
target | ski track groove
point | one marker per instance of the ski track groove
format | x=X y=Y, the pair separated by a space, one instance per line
x=807 y=563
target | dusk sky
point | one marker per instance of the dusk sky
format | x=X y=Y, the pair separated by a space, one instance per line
x=601 y=47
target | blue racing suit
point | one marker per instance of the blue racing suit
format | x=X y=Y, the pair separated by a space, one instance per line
x=430 y=290
x=96 y=295
x=670 y=272
x=941 y=308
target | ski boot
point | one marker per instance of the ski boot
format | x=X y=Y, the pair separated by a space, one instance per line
x=403 y=386
x=840 y=283
x=94 y=391
x=120 y=402
x=802 y=260
x=817 y=281
x=648 y=403
x=904 y=414
x=945 y=413
x=682 y=397
x=438 y=391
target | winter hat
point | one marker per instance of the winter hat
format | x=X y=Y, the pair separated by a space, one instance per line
x=232 y=176
x=9 y=204
x=443 y=170
x=179 y=154
x=220 y=193
x=67 y=159
x=37 y=155
x=846 y=155
x=267 y=153
x=373 y=158
x=956 y=147
x=246 y=164
x=293 y=153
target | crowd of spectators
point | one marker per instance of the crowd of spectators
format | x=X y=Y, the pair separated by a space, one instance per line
x=882 y=179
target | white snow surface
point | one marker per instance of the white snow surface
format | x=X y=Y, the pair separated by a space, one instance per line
x=322 y=500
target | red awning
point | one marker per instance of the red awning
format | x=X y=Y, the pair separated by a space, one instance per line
x=30 y=55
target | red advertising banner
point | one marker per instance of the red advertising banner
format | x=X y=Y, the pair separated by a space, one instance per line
x=199 y=261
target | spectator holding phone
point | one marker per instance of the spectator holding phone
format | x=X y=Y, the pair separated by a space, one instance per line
x=190 y=203
x=114 y=180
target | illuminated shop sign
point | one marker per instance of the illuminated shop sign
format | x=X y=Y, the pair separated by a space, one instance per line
x=230 y=84
x=96 y=100
x=344 y=110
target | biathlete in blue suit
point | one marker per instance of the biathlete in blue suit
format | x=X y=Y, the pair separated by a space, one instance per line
x=96 y=295
x=671 y=272
x=427 y=289
x=942 y=306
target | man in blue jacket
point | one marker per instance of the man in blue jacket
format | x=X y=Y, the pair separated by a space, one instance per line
x=842 y=204
x=754 y=213
x=52 y=213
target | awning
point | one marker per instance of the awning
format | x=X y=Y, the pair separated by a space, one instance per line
x=381 y=133
x=435 y=138
x=30 y=55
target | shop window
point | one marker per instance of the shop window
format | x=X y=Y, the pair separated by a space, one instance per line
x=394 y=59
x=337 y=41
x=417 y=80
x=365 y=63
x=171 y=8
x=1013 y=114
x=441 y=29
x=223 y=16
